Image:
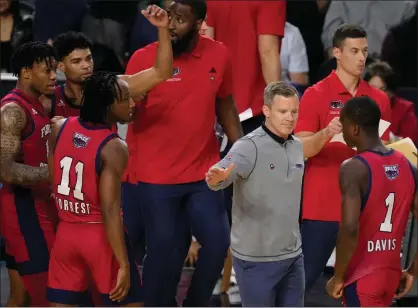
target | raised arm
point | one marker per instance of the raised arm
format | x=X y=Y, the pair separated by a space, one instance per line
x=145 y=80
x=13 y=121
x=308 y=126
x=353 y=178
x=114 y=158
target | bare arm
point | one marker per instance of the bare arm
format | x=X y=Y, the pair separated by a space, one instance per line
x=299 y=78
x=13 y=121
x=413 y=268
x=269 y=50
x=210 y=32
x=56 y=124
x=353 y=176
x=228 y=118
x=114 y=161
x=313 y=142
x=145 y=80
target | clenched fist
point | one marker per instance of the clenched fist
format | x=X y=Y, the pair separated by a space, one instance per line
x=334 y=127
x=156 y=16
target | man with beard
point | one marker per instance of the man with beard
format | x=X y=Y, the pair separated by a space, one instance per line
x=73 y=51
x=172 y=144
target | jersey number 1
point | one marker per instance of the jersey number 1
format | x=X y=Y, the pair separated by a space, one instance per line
x=64 y=187
x=386 y=225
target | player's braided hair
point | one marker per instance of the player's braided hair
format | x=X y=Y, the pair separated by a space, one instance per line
x=364 y=112
x=99 y=92
x=30 y=53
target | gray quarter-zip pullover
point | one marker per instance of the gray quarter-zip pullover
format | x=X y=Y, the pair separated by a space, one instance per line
x=267 y=181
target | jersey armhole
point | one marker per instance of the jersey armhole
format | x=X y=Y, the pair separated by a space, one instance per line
x=53 y=106
x=98 y=160
x=366 y=195
x=59 y=133
x=30 y=125
x=413 y=175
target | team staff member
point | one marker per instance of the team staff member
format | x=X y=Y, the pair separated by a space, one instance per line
x=266 y=167
x=172 y=144
x=318 y=123
x=255 y=46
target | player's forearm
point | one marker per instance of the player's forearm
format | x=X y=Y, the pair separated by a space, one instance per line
x=18 y=174
x=112 y=221
x=413 y=268
x=312 y=145
x=228 y=118
x=164 y=59
x=346 y=245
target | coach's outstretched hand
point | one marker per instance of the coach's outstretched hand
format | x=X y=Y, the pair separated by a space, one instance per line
x=156 y=16
x=123 y=284
x=217 y=175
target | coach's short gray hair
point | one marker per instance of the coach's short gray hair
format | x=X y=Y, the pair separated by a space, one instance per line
x=278 y=88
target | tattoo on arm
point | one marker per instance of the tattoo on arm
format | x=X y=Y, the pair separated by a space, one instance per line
x=13 y=121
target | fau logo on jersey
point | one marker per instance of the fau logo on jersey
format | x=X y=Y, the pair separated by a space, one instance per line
x=391 y=172
x=80 y=141
x=336 y=105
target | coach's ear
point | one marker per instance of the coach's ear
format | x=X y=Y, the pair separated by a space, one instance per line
x=61 y=67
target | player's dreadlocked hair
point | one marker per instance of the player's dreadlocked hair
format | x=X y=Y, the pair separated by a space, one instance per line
x=364 y=112
x=99 y=92
x=30 y=53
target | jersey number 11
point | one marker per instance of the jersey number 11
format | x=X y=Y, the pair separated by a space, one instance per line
x=64 y=187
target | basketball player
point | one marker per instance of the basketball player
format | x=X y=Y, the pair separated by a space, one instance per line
x=410 y=274
x=27 y=213
x=377 y=187
x=75 y=60
x=87 y=161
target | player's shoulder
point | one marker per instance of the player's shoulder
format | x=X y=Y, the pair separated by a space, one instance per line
x=115 y=147
x=354 y=167
x=12 y=116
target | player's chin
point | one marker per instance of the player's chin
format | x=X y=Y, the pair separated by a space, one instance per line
x=49 y=90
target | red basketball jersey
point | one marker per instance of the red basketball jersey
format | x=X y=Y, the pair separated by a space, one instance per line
x=62 y=106
x=34 y=147
x=77 y=167
x=385 y=211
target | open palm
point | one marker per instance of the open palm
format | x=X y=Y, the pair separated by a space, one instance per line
x=216 y=175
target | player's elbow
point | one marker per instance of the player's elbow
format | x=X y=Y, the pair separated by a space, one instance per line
x=110 y=211
x=350 y=229
x=163 y=73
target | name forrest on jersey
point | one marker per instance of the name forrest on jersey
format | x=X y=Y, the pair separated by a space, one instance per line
x=78 y=208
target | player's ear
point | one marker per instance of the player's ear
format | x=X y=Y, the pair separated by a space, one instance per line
x=61 y=67
x=356 y=130
x=26 y=73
